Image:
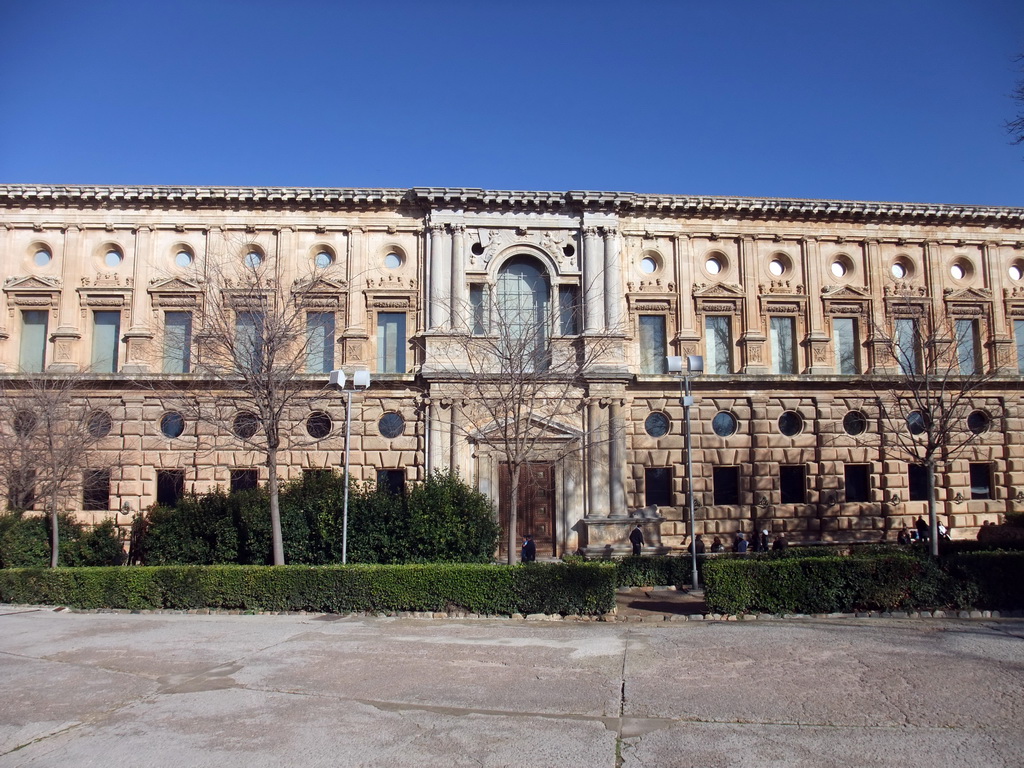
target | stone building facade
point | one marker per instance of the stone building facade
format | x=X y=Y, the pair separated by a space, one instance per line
x=795 y=306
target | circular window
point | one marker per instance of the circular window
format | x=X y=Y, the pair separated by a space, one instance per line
x=393 y=260
x=979 y=422
x=713 y=265
x=323 y=259
x=917 y=422
x=253 y=259
x=648 y=265
x=776 y=267
x=478 y=250
x=183 y=259
x=838 y=269
x=391 y=424
x=42 y=258
x=99 y=424
x=568 y=250
x=656 y=425
x=901 y=268
x=855 y=423
x=724 y=424
x=318 y=425
x=790 y=423
x=113 y=258
x=172 y=424
x=25 y=423
x=958 y=272
x=245 y=424
x=1016 y=271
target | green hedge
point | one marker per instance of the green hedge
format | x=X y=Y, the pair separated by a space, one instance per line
x=869 y=581
x=486 y=589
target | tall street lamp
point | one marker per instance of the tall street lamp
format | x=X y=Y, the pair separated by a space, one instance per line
x=360 y=380
x=694 y=365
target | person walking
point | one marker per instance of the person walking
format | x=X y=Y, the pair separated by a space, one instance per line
x=636 y=538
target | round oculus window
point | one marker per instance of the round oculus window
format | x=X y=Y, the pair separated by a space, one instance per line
x=899 y=270
x=172 y=424
x=648 y=265
x=776 y=267
x=113 y=258
x=253 y=259
x=99 y=424
x=656 y=424
x=838 y=269
x=855 y=423
x=183 y=259
x=713 y=266
x=25 y=423
x=318 y=425
x=917 y=422
x=958 y=271
x=245 y=424
x=790 y=423
x=724 y=424
x=393 y=260
x=978 y=422
x=323 y=260
x=42 y=257
x=391 y=425
x=1016 y=271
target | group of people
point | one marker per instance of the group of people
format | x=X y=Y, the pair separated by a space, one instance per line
x=922 y=532
x=758 y=542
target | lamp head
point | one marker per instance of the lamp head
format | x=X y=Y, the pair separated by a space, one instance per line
x=695 y=364
x=337 y=379
x=675 y=364
x=361 y=379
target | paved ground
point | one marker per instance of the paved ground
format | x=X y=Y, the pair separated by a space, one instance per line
x=246 y=691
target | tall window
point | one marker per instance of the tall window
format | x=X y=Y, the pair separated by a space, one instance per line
x=170 y=486
x=106 y=332
x=658 y=486
x=523 y=296
x=783 y=337
x=21 y=489
x=844 y=330
x=907 y=347
x=718 y=344
x=917 y=482
x=391 y=342
x=96 y=489
x=177 y=342
x=319 y=342
x=653 y=344
x=968 y=344
x=244 y=480
x=33 y=340
x=1018 y=329
x=858 y=483
x=391 y=480
x=249 y=340
x=727 y=485
x=569 y=310
x=478 y=307
x=793 y=484
x=981 y=480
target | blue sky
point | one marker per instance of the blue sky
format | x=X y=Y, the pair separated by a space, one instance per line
x=851 y=100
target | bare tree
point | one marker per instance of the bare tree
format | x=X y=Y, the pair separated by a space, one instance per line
x=253 y=341
x=48 y=434
x=514 y=383
x=1015 y=127
x=933 y=373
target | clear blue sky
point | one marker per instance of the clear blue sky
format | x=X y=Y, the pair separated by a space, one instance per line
x=868 y=100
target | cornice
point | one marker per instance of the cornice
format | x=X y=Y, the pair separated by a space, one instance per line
x=470 y=198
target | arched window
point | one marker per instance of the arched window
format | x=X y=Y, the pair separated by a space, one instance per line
x=523 y=296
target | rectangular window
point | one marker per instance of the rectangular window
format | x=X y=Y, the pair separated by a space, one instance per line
x=569 y=310
x=106 y=333
x=844 y=330
x=21 y=489
x=858 y=483
x=96 y=489
x=718 y=344
x=244 y=479
x=319 y=342
x=33 y=340
x=478 y=307
x=981 y=480
x=391 y=342
x=727 y=485
x=783 y=338
x=391 y=480
x=249 y=340
x=793 y=484
x=177 y=342
x=907 y=346
x=968 y=344
x=1018 y=329
x=658 y=486
x=170 y=486
x=653 y=344
x=917 y=479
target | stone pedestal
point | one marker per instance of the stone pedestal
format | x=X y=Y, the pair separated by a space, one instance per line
x=609 y=536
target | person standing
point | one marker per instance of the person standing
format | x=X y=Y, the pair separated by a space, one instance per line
x=636 y=538
x=740 y=547
x=780 y=543
x=699 y=546
x=529 y=550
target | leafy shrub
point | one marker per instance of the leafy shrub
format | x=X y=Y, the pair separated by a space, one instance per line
x=486 y=589
x=25 y=541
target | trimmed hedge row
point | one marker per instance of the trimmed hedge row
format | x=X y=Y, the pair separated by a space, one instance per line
x=487 y=589
x=896 y=581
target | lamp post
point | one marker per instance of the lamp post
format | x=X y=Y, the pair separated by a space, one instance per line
x=694 y=364
x=360 y=380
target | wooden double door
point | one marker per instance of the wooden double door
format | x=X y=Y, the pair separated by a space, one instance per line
x=536 y=508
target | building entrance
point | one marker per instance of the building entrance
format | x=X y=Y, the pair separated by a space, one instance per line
x=536 y=508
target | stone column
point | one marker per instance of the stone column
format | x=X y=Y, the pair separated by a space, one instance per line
x=10 y=354
x=1001 y=332
x=879 y=358
x=139 y=337
x=597 y=460
x=613 y=293
x=435 y=436
x=685 y=270
x=355 y=275
x=617 y=459
x=437 y=312
x=817 y=339
x=593 y=284
x=66 y=352
x=753 y=340
x=458 y=278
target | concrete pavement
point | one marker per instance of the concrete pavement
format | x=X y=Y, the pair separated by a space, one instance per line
x=81 y=689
